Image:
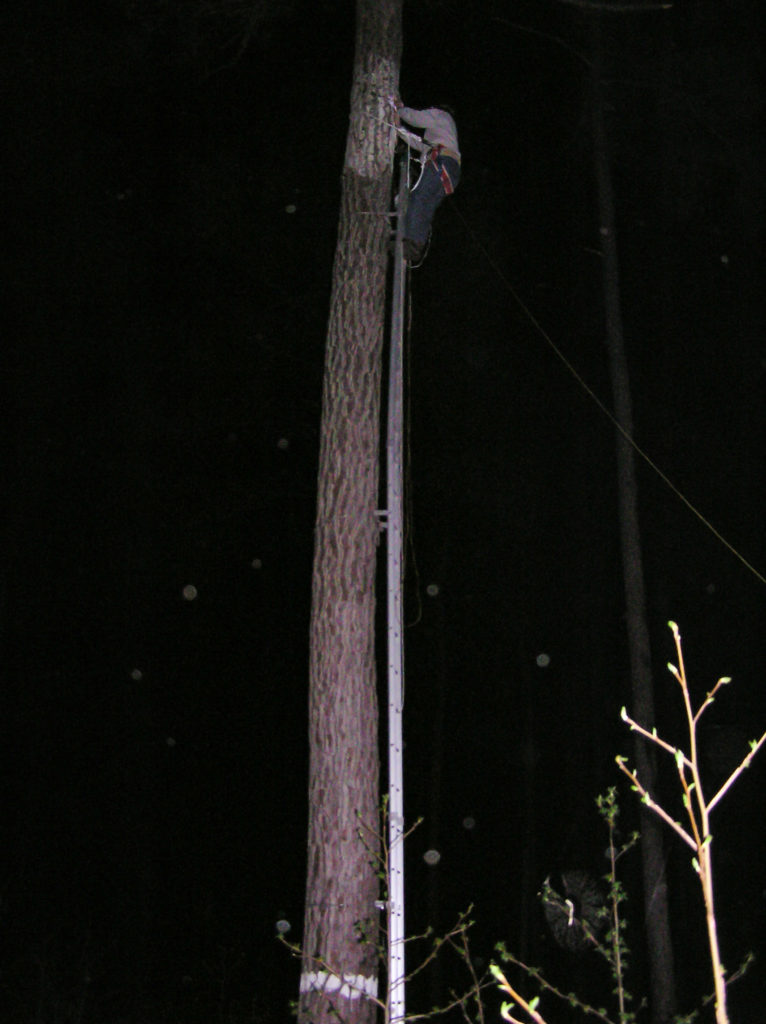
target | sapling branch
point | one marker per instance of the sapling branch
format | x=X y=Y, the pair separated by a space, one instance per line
x=545 y=986
x=695 y=833
x=652 y=805
x=478 y=983
x=697 y=810
x=653 y=737
x=459 y=928
x=610 y=813
x=505 y=1011
x=755 y=746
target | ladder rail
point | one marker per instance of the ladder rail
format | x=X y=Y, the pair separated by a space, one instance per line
x=394 y=544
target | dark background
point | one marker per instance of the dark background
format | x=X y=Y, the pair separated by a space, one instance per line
x=171 y=185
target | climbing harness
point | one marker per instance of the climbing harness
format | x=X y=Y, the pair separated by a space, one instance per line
x=433 y=155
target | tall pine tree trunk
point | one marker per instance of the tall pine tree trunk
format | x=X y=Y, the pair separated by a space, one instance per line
x=340 y=960
x=656 y=918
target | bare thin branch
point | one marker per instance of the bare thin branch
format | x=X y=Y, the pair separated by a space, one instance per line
x=654 y=738
x=745 y=763
x=655 y=806
x=506 y=986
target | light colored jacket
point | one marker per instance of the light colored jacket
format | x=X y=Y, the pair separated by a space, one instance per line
x=440 y=129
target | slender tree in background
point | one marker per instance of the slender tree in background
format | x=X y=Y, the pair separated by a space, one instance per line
x=341 y=919
x=656 y=917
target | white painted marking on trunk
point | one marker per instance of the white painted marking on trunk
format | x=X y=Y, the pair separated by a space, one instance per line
x=350 y=986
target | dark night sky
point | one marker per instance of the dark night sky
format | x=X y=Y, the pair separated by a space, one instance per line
x=171 y=210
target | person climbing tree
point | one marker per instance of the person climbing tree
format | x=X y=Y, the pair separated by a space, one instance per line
x=439 y=176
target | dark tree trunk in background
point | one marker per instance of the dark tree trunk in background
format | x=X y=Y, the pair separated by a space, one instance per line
x=437 y=710
x=656 y=916
x=340 y=967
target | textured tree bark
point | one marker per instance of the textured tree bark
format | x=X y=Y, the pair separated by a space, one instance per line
x=656 y=917
x=340 y=960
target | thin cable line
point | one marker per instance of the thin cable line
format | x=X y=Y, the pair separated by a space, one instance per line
x=604 y=409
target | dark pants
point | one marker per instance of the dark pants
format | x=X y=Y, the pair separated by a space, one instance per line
x=426 y=197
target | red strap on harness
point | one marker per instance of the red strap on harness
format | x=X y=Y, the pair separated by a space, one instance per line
x=441 y=170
